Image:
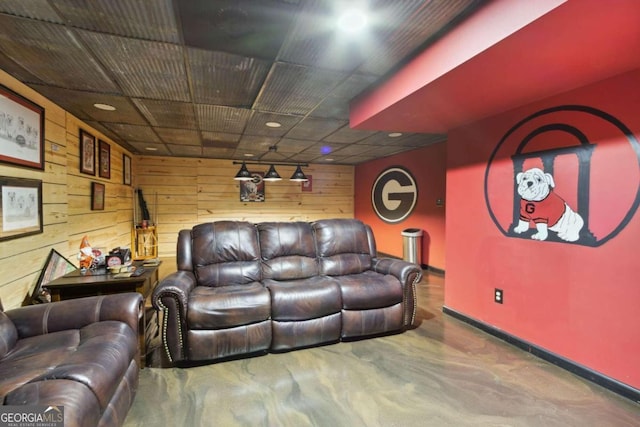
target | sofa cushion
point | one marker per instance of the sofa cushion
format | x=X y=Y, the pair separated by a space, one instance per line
x=228 y=306
x=342 y=246
x=8 y=334
x=225 y=253
x=369 y=290
x=97 y=356
x=304 y=299
x=288 y=250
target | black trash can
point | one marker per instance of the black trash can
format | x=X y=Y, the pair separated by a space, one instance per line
x=412 y=245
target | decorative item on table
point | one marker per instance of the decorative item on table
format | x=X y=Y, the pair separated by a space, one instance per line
x=99 y=259
x=118 y=257
x=86 y=254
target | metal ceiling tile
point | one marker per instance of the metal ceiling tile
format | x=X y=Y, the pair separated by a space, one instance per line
x=293 y=89
x=220 y=138
x=150 y=149
x=346 y=135
x=80 y=104
x=178 y=136
x=222 y=119
x=167 y=113
x=133 y=132
x=332 y=108
x=254 y=28
x=419 y=25
x=315 y=128
x=52 y=54
x=142 y=68
x=148 y=19
x=226 y=79
x=293 y=146
x=316 y=40
x=217 y=153
x=107 y=132
x=258 y=120
x=185 y=150
x=34 y=9
x=257 y=145
x=11 y=67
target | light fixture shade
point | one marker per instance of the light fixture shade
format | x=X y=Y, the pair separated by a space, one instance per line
x=299 y=176
x=271 y=175
x=243 y=174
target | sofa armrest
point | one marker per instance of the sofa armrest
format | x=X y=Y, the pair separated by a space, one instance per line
x=77 y=313
x=409 y=275
x=171 y=297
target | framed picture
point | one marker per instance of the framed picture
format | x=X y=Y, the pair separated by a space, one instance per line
x=21 y=205
x=87 y=153
x=55 y=266
x=126 y=169
x=21 y=130
x=308 y=184
x=104 y=162
x=252 y=191
x=97 y=196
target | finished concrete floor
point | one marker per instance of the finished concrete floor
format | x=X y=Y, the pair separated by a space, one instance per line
x=442 y=373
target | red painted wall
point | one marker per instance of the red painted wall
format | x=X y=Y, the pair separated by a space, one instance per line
x=428 y=167
x=576 y=301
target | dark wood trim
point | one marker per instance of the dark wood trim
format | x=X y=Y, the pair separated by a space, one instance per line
x=577 y=369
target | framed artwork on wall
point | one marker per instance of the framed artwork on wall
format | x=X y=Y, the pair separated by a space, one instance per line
x=97 y=196
x=104 y=159
x=126 y=169
x=87 y=153
x=252 y=191
x=55 y=266
x=21 y=206
x=21 y=130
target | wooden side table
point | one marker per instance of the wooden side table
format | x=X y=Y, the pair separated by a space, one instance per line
x=100 y=282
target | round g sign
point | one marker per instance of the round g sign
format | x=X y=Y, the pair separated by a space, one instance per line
x=394 y=194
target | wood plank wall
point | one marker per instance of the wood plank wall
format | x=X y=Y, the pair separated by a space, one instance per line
x=191 y=191
x=67 y=214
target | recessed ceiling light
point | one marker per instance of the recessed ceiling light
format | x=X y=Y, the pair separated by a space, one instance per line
x=273 y=124
x=395 y=134
x=248 y=154
x=328 y=159
x=352 y=20
x=151 y=148
x=105 y=107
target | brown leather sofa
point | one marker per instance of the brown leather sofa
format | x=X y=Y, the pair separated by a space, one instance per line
x=243 y=288
x=81 y=354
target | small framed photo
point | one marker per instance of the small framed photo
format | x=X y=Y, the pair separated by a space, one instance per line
x=126 y=169
x=97 y=196
x=87 y=153
x=308 y=184
x=21 y=205
x=21 y=130
x=104 y=156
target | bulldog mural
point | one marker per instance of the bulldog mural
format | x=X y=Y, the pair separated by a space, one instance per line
x=541 y=206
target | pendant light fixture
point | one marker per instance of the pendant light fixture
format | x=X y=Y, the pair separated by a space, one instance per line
x=299 y=176
x=272 y=175
x=243 y=174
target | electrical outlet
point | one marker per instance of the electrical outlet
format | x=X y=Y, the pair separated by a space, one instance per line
x=498 y=296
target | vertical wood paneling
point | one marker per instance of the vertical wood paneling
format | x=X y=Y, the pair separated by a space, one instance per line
x=193 y=191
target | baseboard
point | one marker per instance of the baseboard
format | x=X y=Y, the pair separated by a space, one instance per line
x=582 y=371
x=427 y=267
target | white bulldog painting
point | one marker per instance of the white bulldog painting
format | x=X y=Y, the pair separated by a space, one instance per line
x=540 y=205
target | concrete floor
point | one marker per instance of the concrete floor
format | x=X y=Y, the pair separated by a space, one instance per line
x=442 y=373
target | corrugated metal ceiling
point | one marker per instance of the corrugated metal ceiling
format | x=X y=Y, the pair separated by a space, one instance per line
x=200 y=78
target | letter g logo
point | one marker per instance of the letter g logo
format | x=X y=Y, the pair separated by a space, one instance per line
x=394 y=194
